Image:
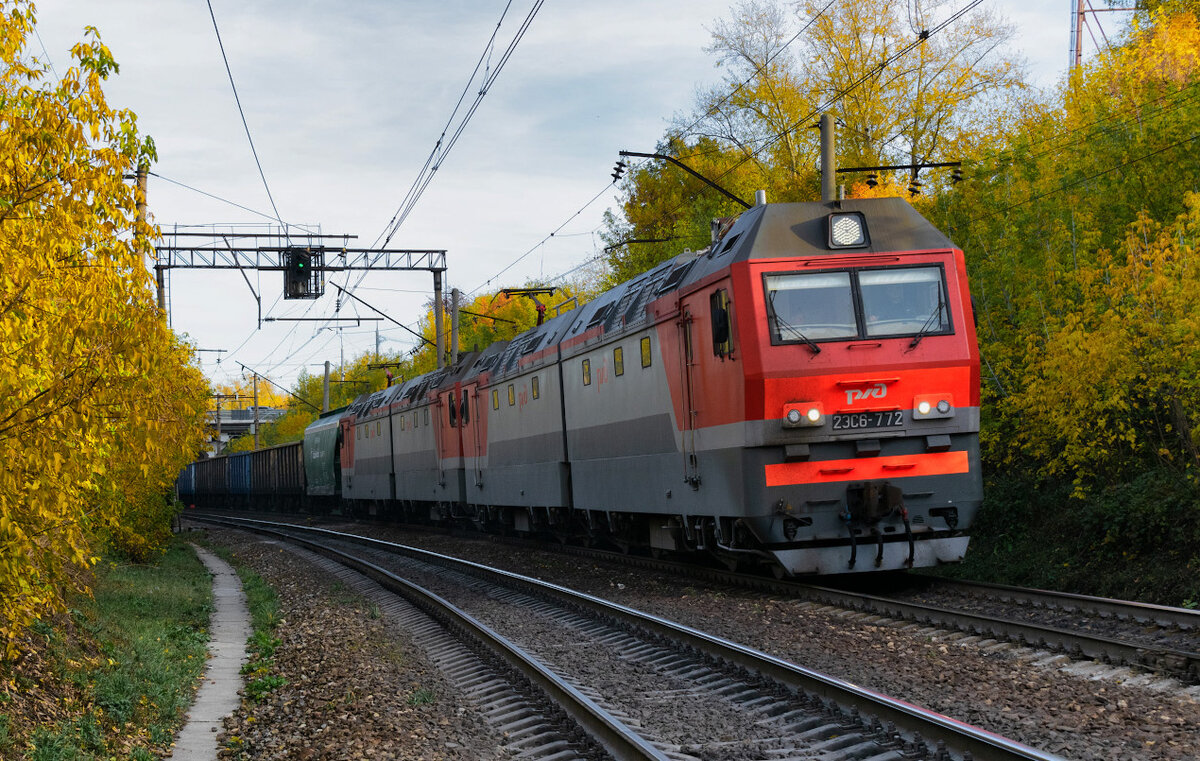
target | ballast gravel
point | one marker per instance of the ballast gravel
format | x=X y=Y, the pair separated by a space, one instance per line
x=981 y=682
x=357 y=689
x=350 y=685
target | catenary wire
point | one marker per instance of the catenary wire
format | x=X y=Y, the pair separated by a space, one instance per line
x=442 y=149
x=245 y=124
x=425 y=176
x=218 y=198
x=462 y=96
x=724 y=99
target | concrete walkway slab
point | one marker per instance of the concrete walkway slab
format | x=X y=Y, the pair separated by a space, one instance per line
x=229 y=628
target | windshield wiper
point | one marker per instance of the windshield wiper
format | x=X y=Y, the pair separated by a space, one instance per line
x=928 y=327
x=782 y=323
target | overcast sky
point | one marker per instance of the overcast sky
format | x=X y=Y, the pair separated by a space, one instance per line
x=345 y=101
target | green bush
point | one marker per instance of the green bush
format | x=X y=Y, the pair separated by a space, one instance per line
x=1139 y=540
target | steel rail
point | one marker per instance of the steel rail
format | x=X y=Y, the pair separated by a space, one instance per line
x=608 y=731
x=1181 y=664
x=1164 y=616
x=927 y=725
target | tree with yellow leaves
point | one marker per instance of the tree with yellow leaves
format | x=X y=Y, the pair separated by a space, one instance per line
x=1058 y=223
x=100 y=404
x=906 y=81
x=1117 y=382
x=907 y=84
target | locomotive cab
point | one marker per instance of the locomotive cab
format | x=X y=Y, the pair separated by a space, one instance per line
x=862 y=388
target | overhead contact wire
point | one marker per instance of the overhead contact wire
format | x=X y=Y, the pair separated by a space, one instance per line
x=440 y=151
x=724 y=99
x=245 y=124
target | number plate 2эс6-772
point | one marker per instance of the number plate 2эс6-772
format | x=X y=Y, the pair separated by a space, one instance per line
x=857 y=421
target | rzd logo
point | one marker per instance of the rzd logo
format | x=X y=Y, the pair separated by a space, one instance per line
x=878 y=391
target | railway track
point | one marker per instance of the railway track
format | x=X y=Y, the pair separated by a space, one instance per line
x=1153 y=638
x=643 y=687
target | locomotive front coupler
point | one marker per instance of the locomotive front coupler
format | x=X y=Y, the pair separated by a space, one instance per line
x=869 y=503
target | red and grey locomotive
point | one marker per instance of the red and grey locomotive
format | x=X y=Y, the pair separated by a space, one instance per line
x=803 y=394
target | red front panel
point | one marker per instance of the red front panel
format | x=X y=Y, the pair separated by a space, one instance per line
x=854 y=375
x=867 y=469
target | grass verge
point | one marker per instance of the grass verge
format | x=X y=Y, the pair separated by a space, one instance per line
x=114 y=678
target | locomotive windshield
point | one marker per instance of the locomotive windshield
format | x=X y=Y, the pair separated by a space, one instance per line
x=898 y=301
x=811 y=306
x=903 y=302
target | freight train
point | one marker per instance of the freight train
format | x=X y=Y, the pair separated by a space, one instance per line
x=802 y=395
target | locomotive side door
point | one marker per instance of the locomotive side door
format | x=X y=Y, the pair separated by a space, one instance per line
x=470 y=413
x=687 y=361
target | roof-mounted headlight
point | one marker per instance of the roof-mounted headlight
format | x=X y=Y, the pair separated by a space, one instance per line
x=847 y=229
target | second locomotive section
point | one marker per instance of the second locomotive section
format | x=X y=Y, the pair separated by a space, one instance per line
x=803 y=394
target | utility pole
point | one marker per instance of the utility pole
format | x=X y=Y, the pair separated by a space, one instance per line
x=256 y=412
x=828 y=161
x=325 y=390
x=143 y=172
x=437 y=319
x=1078 y=9
x=235 y=398
x=453 y=326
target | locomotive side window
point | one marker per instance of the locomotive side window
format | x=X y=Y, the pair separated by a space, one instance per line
x=722 y=334
x=495 y=398
x=646 y=351
x=810 y=306
x=452 y=409
x=537 y=391
x=587 y=372
x=512 y=395
x=465 y=410
x=618 y=361
x=903 y=301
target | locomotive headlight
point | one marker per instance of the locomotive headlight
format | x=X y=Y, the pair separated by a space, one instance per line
x=804 y=415
x=933 y=407
x=847 y=230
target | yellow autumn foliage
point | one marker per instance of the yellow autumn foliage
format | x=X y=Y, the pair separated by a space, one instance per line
x=1119 y=376
x=100 y=404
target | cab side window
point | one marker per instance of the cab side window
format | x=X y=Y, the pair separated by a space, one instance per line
x=722 y=328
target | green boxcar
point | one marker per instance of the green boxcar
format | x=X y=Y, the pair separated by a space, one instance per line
x=322 y=448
